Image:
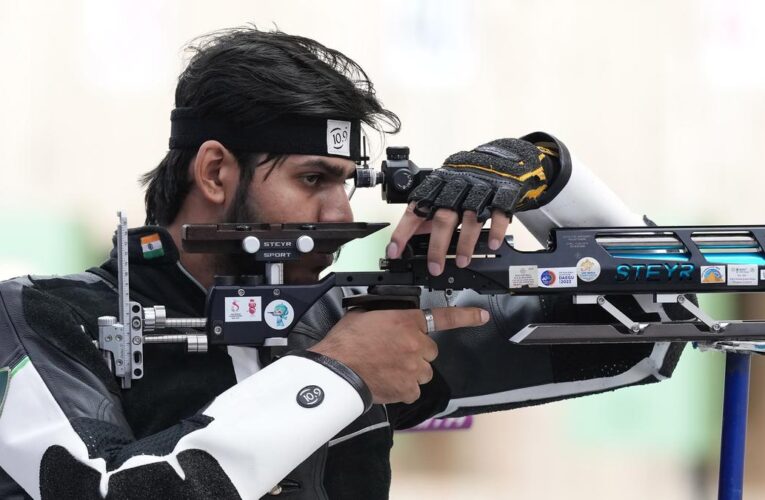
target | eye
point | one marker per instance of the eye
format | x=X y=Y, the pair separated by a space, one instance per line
x=311 y=179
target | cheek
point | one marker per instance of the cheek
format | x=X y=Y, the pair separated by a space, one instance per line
x=285 y=203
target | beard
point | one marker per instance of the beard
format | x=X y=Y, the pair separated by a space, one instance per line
x=304 y=270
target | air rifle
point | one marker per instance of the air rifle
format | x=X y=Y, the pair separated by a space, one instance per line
x=658 y=265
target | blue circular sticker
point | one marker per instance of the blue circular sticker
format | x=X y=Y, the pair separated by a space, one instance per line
x=547 y=278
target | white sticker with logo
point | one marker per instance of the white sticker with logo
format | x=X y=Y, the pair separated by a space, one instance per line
x=742 y=274
x=243 y=309
x=588 y=269
x=279 y=314
x=523 y=276
x=338 y=137
x=557 y=277
x=712 y=274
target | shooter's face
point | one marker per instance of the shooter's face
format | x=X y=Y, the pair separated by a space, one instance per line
x=301 y=189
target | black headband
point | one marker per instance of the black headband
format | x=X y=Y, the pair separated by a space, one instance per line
x=288 y=134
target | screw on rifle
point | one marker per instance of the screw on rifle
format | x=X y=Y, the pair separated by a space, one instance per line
x=681 y=299
x=601 y=300
x=118 y=338
x=240 y=292
x=137 y=340
x=108 y=338
x=277 y=292
x=716 y=327
x=635 y=328
x=136 y=323
x=450 y=280
x=119 y=362
x=217 y=330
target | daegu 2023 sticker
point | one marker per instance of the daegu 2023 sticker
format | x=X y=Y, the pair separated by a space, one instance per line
x=557 y=277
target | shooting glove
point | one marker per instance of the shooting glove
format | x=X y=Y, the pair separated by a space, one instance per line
x=509 y=175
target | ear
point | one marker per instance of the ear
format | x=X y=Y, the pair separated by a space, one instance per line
x=215 y=173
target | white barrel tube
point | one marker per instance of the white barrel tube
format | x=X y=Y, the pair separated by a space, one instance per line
x=585 y=201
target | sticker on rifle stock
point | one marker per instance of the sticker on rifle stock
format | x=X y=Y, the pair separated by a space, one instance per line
x=557 y=277
x=244 y=309
x=742 y=274
x=588 y=269
x=279 y=314
x=713 y=274
x=523 y=276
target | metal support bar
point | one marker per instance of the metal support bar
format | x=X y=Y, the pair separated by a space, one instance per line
x=682 y=300
x=611 y=309
x=733 y=442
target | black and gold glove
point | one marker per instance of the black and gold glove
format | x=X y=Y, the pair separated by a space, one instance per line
x=509 y=175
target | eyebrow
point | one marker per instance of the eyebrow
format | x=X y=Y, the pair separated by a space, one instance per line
x=328 y=168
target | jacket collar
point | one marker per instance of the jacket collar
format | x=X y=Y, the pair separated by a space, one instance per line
x=156 y=274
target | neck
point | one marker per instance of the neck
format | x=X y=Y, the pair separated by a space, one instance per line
x=199 y=265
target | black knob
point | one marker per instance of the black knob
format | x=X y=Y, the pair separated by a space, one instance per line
x=397 y=153
x=402 y=180
x=250 y=280
x=225 y=280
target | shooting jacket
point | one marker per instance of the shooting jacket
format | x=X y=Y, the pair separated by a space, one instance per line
x=197 y=427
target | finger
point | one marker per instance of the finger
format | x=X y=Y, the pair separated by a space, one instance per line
x=425 y=228
x=447 y=318
x=469 y=233
x=429 y=349
x=444 y=223
x=412 y=395
x=406 y=227
x=499 y=223
x=426 y=373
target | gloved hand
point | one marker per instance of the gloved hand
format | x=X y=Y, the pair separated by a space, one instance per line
x=494 y=180
x=507 y=175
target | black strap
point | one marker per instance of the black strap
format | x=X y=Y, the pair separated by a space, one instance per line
x=287 y=134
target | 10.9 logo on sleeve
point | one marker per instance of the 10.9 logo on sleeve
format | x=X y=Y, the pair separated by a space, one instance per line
x=310 y=396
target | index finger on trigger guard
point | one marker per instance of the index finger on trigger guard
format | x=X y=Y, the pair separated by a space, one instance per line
x=449 y=318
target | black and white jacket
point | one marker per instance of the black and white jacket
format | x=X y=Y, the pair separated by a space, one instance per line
x=220 y=425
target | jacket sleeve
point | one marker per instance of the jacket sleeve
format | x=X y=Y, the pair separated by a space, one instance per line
x=63 y=435
x=481 y=371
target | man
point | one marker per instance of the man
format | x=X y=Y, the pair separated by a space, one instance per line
x=249 y=143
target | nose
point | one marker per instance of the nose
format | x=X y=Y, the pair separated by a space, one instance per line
x=336 y=207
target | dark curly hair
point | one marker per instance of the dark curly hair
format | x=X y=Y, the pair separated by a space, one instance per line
x=251 y=77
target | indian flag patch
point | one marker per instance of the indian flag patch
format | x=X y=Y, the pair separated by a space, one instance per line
x=152 y=246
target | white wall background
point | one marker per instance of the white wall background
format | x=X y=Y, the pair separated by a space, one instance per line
x=665 y=100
